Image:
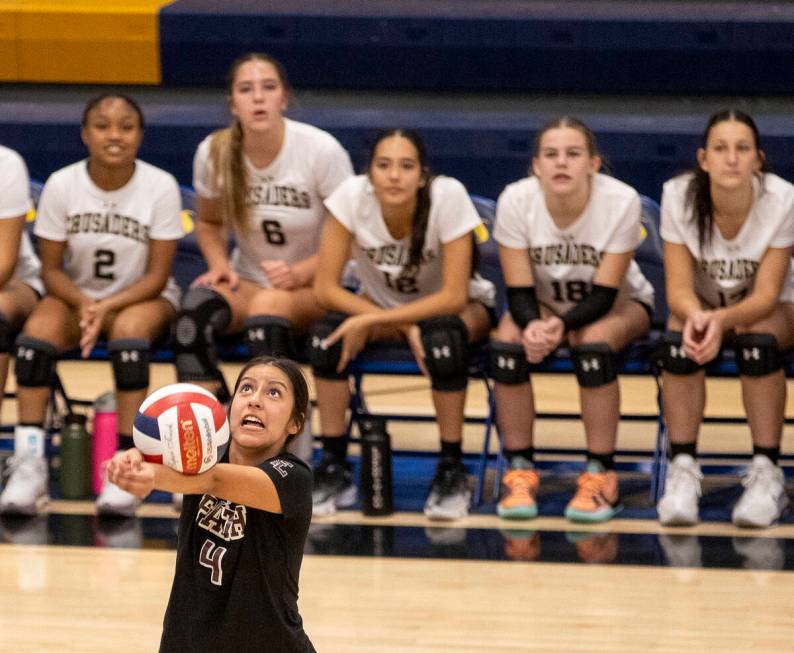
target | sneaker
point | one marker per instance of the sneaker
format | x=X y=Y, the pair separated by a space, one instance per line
x=519 y=488
x=124 y=533
x=596 y=498
x=16 y=529
x=449 y=495
x=764 y=496
x=679 y=504
x=333 y=486
x=115 y=502
x=760 y=552
x=25 y=492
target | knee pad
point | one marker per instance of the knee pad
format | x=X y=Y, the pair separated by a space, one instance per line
x=325 y=359
x=204 y=313
x=446 y=343
x=674 y=360
x=594 y=364
x=6 y=335
x=757 y=354
x=508 y=363
x=269 y=335
x=130 y=360
x=35 y=362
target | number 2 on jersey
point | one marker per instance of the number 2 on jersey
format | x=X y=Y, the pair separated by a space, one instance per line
x=103 y=260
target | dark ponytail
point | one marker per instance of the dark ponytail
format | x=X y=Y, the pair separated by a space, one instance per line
x=698 y=193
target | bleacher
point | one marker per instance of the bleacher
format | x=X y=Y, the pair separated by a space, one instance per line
x=476 y=77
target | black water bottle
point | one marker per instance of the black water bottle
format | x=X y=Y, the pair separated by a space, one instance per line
x=376 y=488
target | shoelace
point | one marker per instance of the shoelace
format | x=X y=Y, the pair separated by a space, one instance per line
x=679 y=475
x=447 y=479
x=591 y=483
x=519 y=482
x=19 y=469
x=760 y=479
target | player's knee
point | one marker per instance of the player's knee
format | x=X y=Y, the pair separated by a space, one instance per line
x=269 y=335
x=673 y=358
x=129 y=358
x=446 y=343
x=757 y=354
x=324 y=360
x=6 y=335
x=508 y=363
x=34 y=362
x=594 y=364
x=204 y=313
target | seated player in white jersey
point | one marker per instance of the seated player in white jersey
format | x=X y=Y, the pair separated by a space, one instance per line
x=411 y=237
x=107 y=229
x=243 y=525
x=20 y=285
x=262 y=179
x=567 y=236
x=728 y=231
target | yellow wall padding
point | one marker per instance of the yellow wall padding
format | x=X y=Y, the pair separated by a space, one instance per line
x=81 y=41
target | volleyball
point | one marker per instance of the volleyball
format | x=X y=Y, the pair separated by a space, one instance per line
x=182 y=426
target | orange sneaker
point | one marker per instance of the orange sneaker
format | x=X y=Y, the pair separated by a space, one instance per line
x=595 y=547
x=522 y=545
x=519 y=487
x=596 y=498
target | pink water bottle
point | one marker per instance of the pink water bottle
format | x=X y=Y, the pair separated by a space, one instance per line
x=105 y=439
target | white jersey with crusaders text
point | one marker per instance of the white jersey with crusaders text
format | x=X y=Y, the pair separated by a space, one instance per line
x=381 y=259
x=15 y=201
x=285 y=199
x=564 y=261
x=107 y=233
x=725 y=269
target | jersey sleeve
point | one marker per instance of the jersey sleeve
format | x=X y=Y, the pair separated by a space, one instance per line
x=333 y=167
x=510 y=227
x=203 y=174
x=51 y=211
x=784 y=236
x=167 y=212
x=342 y=203
x=14 y=188
x=293 y=482
x=455 y=210
x=670 y=228
x=628 y=233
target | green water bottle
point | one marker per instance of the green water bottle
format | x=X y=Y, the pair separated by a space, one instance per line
x=75 y=467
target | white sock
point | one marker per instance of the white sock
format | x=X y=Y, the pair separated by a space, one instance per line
x=29 y=441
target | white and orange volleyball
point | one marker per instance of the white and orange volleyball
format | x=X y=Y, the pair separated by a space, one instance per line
x=182 y=426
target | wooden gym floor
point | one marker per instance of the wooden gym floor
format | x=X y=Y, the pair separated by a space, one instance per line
x=72 y=582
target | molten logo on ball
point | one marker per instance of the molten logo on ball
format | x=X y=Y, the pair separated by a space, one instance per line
x=182 y=426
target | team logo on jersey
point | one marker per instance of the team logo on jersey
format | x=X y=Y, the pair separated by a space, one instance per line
x=270 y=194
x=565 y=254
x=281 y=466
x=107 y=223
x=396 y=255
x=222 y=518
x=729 y=269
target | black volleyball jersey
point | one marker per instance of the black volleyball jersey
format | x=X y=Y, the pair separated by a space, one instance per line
x=237 y=568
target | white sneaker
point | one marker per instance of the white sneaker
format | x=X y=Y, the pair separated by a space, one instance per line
x=764 y=496
x=25 y=492
x=679 y=504
x=115 y=502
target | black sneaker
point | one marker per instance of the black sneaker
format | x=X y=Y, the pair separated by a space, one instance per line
x=449 y=495
x=333 y=486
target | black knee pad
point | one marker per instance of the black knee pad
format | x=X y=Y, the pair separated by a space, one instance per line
x=674 y=360
x=204 y=313
x=594 y=364
x=269 y=335
x=35 y=362
x=757 y=354
x=6 y=335
x=325 y=359
x=130 y=360
x=446 y=343
x=508 y=363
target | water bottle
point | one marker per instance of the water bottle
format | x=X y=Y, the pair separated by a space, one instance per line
x=105 y=437
x=376 y=487
x=74 y=457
